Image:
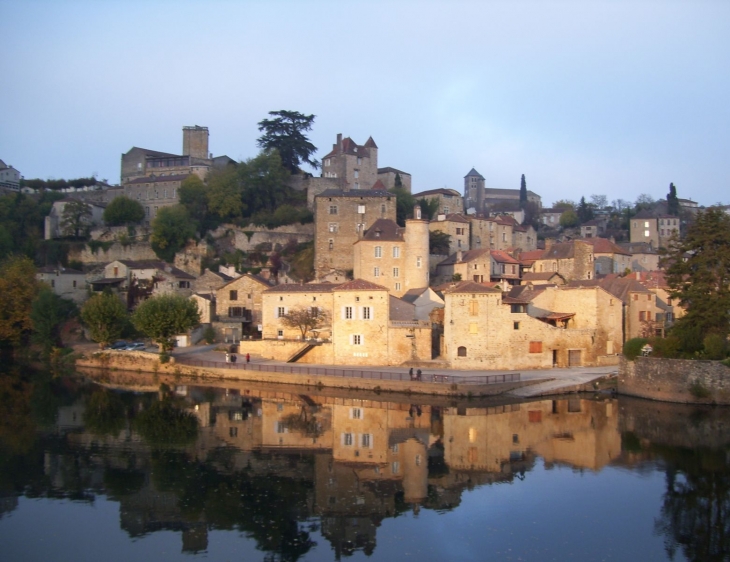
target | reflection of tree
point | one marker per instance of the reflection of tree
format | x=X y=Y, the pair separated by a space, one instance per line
x=696 y=511
x=305 y=422
x=164 y=423
x=104 y=413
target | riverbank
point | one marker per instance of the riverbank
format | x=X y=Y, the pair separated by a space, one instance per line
x=205 y=363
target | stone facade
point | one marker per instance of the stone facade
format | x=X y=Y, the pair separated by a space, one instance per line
x=239 y=306
x=457 y=226
x=341 y=217
x=480 y=266
x=137 y=252
x=673 y=380
x=52 y=223
x=352 y=165
x=609 y=257
x=450 y=201
x=643 y=256
x=67 y=283
x=657 y=231
x=495 y=233
x=474 y=191
x=573 y=260
x=388 y=177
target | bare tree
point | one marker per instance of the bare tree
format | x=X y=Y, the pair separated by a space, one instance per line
x=600 y=201
x=305 y=319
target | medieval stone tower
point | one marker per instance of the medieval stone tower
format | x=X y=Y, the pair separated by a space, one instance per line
x=474 y=191
x=416 y=251
x=195 y=142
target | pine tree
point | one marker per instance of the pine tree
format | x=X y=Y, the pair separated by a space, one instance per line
x=523 y=192
x=672 y=201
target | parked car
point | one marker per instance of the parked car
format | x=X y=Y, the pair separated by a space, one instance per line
x=136 y=346
x=121 y=344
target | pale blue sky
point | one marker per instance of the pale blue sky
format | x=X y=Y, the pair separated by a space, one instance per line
x=614 y=98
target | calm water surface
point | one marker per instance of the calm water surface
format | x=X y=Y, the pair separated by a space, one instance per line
x=111 y=468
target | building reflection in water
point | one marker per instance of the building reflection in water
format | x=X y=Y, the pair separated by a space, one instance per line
x=279 y=465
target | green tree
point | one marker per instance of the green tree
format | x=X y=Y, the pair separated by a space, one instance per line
x=123 y=210
x=194 y=197
x=404 y=203
x=171 y=229
x=439 y=242
x=284 y=132
x=564 y=205
x=523 y=192
x=76 y=217
x=302 y=263
x=644 y=202
x=398 y=181
x=48 y=313
x=698 y=274
x=162 y=317
x=429 y=207
x=585 y=211
x=264 y=182
x=224 y=194
x=569 y=219
x=106 y=318
x=672 y=201
x=18 y=288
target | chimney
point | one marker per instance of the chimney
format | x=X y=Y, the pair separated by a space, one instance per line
x=549 y=243
x=417 y=212
x=339 y=142
x=459 y=255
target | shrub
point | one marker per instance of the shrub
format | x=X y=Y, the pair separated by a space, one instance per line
x=715 y=346
x=698 y=390
x=209 y=335
x=668 y=347
x=632 y=348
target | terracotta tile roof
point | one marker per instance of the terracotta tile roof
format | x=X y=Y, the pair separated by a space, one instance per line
x=360 y=285
x=527 y=293
x=605 y=246
x=637 y=247
x=528 y=258
x=370 y=143
x=502 y=257
x=466 y=257
x=378 y=185
x=540 y=276
x=305 y=288
x=620 y=287
x=256 y=278
x=561 y=250
x=440 y=191
x=384 y=229
x=470 y=287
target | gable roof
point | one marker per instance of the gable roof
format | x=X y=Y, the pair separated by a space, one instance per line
x=305 y=288
x=378 y=185
x=370 y=143
x=360 y=285
x=473 y=172
x=390 y=170
x=604 y=246
x=637 y=247
x=355 y=193
x=383 y=230
x=466 y=257
x=470 y=287
x=620 y=287
x=440 y=191
x=252 y=277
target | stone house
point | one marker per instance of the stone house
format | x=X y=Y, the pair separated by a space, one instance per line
x=239 y=307
x=654 y=230
x=608 y=256
x=210 y=281
x=449 y=200
x=495 y=233
x=393 y=256
x=424 y=300
x=341 y=218
x=482 y=199
x=527 y=260
x=52 y=223
x=206 y=306
x=9 y=177
x=524 y=237
x=573 y=260
x=65 y=282
x=545 y=278
x=485 y=329
x=457 y=226
x=592 y=228
x=389 y=175
x=644 y=257
x=352 y=165
x=480 y=266
x=667 y=309
x=551 y=217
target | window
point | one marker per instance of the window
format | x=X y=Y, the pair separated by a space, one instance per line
x=233 y=295
x=395 y=467
x=326 y=161
x=376 y=272
x=473 y=328
x=361 y=209
x=356 y=339
x=347 y=313
x=280 y=311
x=233 y=432
x=418 y=261
x=378 y=251
x=357 y=173
x=356 y=413
x=396 y=251
x=347 y=439
x=333 y=227
x=366 y=441
x=235 y=311
x=280 y=334
x=333 y=209
x=180 y=284
x=53 y=282
x=473 y=308
x=75 y=284
x=382 y=209
x=359 y=161
x=397 y=287
x=535 y=347
x=366 y=313
x=280 y=427
x=331 y=243
x=516 y=325
x=174 y=192
x=396 y=272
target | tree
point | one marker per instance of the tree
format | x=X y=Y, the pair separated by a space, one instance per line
x=429 y=207
x=404 y=203
x=569 y=219
x=672 y=201
x=398 y=181
x=585 y=211
x=193 y=196
x=123 y=210
x=48 y=313
x=439 y=242
x=644 y=202
x=18 y=288
x=263 y=180
x=224 y=194
x=76 y=217
x=171 y=229
x=164 y=316
x=306 y=319
x=698 y=274
x=285 y=133
x=106 y=318
x=563 y=205
x=523 y=192
x=599 y=201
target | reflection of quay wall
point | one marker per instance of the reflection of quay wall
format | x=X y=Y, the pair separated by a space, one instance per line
x=149 y=363
x=675 y=425
x=579 y=432
x=671 y=380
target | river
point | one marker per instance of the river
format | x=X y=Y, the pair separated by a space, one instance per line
x=121 y=466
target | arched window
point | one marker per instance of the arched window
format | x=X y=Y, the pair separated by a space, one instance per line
x=461 y=352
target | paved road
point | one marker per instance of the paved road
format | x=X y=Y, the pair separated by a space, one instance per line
x=553 y=379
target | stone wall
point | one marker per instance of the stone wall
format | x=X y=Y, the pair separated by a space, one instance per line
x=138 y=251
x=672 y=380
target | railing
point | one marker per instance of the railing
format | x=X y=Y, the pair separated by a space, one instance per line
x=352 y=373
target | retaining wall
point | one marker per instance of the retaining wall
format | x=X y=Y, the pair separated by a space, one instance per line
x=675 y=380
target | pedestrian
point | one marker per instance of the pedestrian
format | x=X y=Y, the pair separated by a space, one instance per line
x=410 y=373
x=418 y=374
x=233 y=358
x=228 y=358
x=248 y=358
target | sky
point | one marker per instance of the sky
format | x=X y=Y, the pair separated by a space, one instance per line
x=584 y=97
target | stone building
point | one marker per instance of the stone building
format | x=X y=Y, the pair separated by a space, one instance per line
x=239 y=306
x=457 y=226
x=573 y=260
x=644 y=257
x=352 y=165
x=494 y=233
x=9 y=177
x=655 y=230
x=480 y=266
x=484 y=200
x=52 y=224
x=485 y=329
x=609 y=257
x=65 y=282
x=450 y=201
x=393 y=256
x=390 y=176
x=341 y=217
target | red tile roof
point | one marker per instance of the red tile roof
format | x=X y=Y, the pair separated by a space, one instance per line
x=360 y=285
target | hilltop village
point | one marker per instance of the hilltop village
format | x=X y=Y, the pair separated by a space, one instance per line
x=366 y=271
